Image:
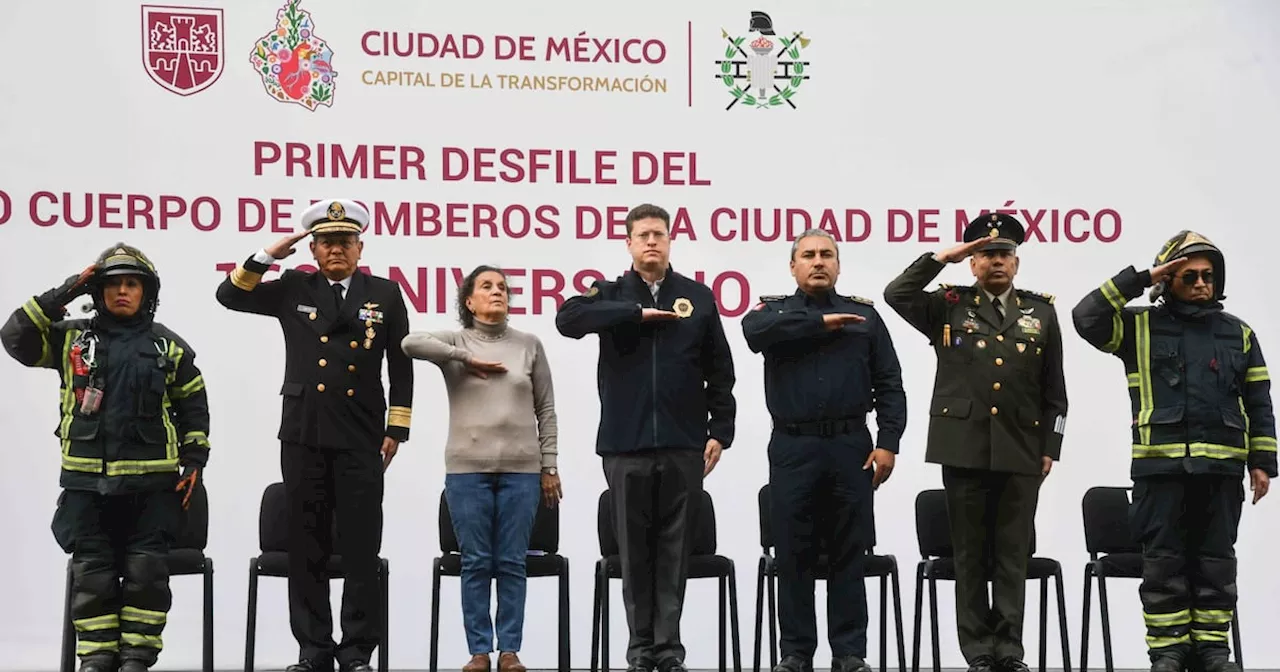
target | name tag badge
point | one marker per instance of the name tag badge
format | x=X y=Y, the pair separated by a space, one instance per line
x=367 y=315
x=305 y=309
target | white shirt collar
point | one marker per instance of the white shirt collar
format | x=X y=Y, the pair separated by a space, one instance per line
x=1004 y=297
x=345 y=282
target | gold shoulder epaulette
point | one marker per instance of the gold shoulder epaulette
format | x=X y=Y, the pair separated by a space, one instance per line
x=1047 y=298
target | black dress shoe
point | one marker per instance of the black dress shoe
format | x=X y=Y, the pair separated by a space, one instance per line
x=849 y=664
x=793 y=663
x=983 y=664
x=672 y=666
x=309 y=666
x=640 y=666
x=357 y=666
x=1011 y=664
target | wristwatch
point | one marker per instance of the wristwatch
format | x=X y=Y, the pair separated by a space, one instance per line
x=550 y=471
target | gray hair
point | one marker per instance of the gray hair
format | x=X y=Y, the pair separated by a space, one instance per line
x=820 y=233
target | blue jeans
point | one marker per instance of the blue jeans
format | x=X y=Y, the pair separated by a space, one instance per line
x=493 y=517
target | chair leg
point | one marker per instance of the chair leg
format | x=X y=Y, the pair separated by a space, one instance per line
x=760 y=569
x=604 y=618
x=384 y=650
x=723 y=605
x=1062 y=620
x=772 y=586
x=595 y=618
x=1044 y=625
x=897 y=619
x=68 y=656
x=733 y=618
x=564 y=615
x=884 y=624
x=1104 y=611
x=1235 y=636
x=933 y=625
x=434 y=656
x=251 y=619
x=918 y=615
x=208 y=615
x=1084 y=617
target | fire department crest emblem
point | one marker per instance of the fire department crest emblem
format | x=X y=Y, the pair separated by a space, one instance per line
x=182 y=47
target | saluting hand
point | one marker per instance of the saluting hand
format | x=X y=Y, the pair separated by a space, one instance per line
x=284 y=247
x=1164 y=272
x=482 y=369
x=1259 y=483
x=833 y=321
x=883 y=461
x=657 y=315
x=962 y=251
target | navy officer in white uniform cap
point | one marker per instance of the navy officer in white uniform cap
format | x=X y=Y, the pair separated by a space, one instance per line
x=338 y=429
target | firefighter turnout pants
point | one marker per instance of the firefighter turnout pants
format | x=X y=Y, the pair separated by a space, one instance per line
x=1187 y=526
x=120 y=594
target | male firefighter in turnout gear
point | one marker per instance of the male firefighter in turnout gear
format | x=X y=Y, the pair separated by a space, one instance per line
x=1202 y=412
x=134 y=412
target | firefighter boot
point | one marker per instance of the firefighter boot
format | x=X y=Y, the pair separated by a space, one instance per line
x=1166 y=664
x=133 y=665
x=1219 y=662
x=98 y=663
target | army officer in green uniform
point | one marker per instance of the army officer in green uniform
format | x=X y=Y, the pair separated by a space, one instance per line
x=995 y=424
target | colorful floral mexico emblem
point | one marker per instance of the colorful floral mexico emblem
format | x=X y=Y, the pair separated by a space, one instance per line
x=294 y=63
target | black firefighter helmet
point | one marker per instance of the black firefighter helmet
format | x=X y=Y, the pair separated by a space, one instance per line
x=1185 y=244
x=122 y=259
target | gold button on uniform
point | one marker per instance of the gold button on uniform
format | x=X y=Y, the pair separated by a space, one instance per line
x=324 y=339
x=351 y=393
x=320 y=387
x=1036 y=423
x=999 y=337
x=996 y=387
x=312 y=316
x=351 y=368
x=999 y=361
x=353 y=345
x=324 y=362
x=994 y=410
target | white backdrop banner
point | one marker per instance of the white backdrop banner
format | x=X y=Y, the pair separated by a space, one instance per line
x=519 y=135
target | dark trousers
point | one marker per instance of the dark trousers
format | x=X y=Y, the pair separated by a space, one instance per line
x=322 y=483
x=821 y=503
x=1187 y=527
x=654 y=495
x=992 y=516
x=120 y=594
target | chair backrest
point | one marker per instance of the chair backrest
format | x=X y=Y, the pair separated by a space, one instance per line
x=273 y=521
x=704 y=535
x=1106 y=521
x=766 y=524
x=545 y=536
x=194 y=534
x=933 y=526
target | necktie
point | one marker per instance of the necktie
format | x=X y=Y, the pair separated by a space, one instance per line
x=996 y=302
x=337 y=298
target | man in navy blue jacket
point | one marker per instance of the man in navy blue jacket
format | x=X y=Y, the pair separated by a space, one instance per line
x=665 y=378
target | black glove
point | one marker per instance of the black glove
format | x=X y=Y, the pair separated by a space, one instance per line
x=190 y=479
x=73 y=287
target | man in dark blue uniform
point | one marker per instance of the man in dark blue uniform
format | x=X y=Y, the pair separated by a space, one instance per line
x=829 y=361
x=339 y=325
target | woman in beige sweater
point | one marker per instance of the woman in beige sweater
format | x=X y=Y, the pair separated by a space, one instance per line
x=499 y=459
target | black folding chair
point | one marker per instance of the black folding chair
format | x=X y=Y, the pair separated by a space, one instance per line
x=273 y=534
x=1113 y=554
x=884 y=567
x=185 y=558
x=543 y=561
x=704 y=563
x=937 y=563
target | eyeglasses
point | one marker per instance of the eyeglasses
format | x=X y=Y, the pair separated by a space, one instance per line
x=1189 y=277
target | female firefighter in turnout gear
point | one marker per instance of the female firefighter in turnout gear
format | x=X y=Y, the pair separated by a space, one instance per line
x=1202 y=412
x=133 y=411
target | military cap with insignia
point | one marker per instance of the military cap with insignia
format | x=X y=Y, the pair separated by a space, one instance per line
x=335 y=215
x=1005 y=232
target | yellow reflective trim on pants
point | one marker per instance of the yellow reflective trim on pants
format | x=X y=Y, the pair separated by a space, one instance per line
x=135 y=639
x=1167 y=620
x=1116 y=299
x=84 y=648
x=105 y=622
x=1256 y=374
x=1174 y=450
x=1146 y=402
x=147 y=616
x=1211 y=616
x=1209 y=635
x=1161 y=642
x=1265 y=444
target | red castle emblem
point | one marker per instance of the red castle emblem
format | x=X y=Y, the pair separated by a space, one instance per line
x=182 y=47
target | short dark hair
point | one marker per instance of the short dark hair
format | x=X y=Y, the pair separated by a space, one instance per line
x=468 y=287
x=647 y=211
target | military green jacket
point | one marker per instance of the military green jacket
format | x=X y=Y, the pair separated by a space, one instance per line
x=999 y=396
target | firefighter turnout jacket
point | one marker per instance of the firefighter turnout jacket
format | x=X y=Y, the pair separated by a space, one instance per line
x=1198 y=384
x=153 y=410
